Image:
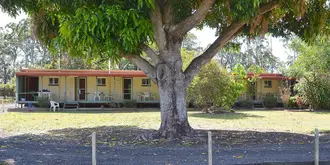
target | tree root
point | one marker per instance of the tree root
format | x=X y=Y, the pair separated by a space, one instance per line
x=163 y=134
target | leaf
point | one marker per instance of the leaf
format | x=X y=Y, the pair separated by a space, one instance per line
x=239 y=157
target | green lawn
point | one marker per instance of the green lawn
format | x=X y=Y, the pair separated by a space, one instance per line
x=278 y=121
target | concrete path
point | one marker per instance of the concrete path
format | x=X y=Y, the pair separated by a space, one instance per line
x=5 y=107
x=26 y=152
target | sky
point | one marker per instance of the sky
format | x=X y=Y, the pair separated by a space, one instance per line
x=205 y=37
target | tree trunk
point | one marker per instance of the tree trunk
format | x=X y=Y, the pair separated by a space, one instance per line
x=172 y=90
x=173 y=107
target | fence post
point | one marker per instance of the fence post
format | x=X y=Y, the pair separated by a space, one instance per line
x=3 y=106
x=210 y=147
x=93 y=148
x=316 y=151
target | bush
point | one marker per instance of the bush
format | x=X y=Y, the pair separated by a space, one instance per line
x=7 y=90
x=292 y=102
x=215 y=87
x=270 y=100
x=314 y=89
x=43 y=102
x=285 y=94
x=130 y=104
x=246 y=104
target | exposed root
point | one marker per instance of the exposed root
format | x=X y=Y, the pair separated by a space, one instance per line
x=164 y=134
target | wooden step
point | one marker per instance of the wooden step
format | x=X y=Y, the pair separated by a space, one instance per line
x=258 y=105
x=71 y=105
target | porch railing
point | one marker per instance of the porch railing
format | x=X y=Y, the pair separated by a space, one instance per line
x=90 y=97
x=258 y=96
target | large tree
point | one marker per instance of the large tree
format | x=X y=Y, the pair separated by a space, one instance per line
x=125 y=28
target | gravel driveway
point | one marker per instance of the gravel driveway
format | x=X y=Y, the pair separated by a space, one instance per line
x=27 y=152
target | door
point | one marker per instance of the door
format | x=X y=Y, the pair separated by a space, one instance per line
x=127 y=89
x=80 y=84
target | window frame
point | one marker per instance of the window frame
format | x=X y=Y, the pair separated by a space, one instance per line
x=52 y=81
x=267 y=84
x=102 y=78
x=148 y=82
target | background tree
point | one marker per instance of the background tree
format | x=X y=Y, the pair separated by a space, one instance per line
x=19 y=49
x=311 y=67
x=257 y=52
x=125 y=28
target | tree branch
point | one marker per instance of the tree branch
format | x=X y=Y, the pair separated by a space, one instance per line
x=219 y=43
x=158 y=30
x=167 y=16
x=268 y=7
x=151 y=53
x=145 y=66
x=189 y=23
x=226 y=35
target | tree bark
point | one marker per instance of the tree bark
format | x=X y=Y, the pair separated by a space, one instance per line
x=174 y=121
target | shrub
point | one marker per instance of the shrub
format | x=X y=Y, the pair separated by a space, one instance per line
x=43 y=102
x=270 y=100
x=299 y=102
x=130 y=104
x=7 y=90
x=215 y=87
x=292 y=102
x=246 y=104
x=314 y=89
x=285 y=93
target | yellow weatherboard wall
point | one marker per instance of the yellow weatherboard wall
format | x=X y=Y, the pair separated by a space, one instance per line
x=58 y=91
x=114 y=86
x=138 y=88
x=274 y=89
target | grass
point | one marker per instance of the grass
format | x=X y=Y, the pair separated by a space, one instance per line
x=268 y=120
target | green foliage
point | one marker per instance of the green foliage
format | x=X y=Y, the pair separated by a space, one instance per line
x=319 y=52
x=270 y=100
x=245 y=103
x=7 y=90
x=187 y=57
x=43 y=102
x=214 y=86
x=109 y=28
x=292 y=102
x=315 y=90
x=312 y=67
x=130 y=104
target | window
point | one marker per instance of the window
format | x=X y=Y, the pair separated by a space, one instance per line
x=145 y=82
x=53 y=81
x=101 y=82
x=268 y=84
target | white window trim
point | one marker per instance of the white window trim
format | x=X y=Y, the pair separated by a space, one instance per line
x=148 y=80
x=266 y=86
x=53 y=83
x=97 y=81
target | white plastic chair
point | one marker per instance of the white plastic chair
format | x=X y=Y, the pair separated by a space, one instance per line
x=148 y=95
x=54 y=105
x=96 y=96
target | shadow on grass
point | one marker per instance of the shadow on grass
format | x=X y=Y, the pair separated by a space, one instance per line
x=110 y=136
x=120 y=140
x=226 y=116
